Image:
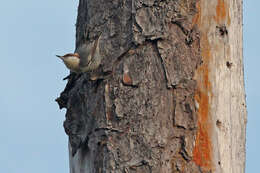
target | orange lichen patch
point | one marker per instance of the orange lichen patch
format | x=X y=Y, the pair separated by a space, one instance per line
x=222 y=12
x=127 y=79
x=202 y=152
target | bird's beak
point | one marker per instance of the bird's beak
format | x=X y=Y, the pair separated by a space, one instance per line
x=59 y=56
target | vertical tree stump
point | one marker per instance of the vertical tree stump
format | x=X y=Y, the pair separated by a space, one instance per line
x=174 y=101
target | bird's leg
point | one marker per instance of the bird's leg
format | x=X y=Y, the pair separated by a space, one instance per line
x=73 y=76
x=67 y=77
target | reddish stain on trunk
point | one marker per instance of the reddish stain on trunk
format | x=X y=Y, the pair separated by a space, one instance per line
x=127 y=79
x=222 y=13
x=202 y=152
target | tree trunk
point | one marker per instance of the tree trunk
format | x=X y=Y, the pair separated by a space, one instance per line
x=174 y=100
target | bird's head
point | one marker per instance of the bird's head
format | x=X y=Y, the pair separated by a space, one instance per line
x=71 y=60
x=69 y=56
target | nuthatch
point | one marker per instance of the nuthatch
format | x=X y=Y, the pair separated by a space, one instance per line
x=86 y=58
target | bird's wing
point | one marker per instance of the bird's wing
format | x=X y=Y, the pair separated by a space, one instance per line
x=83 y=51
x=87 y=52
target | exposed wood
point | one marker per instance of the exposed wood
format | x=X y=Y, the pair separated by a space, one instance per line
x=221 y=96
x=222 y=84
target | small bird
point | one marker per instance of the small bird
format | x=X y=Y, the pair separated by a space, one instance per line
x=71 y=60
x=86 y=58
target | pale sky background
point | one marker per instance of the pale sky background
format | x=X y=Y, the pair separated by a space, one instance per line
x=31 y=33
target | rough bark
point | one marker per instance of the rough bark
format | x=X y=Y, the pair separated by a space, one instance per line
x=174 y=101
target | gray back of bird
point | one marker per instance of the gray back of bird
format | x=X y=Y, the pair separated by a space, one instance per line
x=89 y=53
